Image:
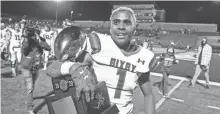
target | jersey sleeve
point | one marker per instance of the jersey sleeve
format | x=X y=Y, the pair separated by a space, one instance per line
x=88 y=47
x=146 y=57
x=94 y=42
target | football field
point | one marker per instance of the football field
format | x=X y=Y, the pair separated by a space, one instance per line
x=184 y=100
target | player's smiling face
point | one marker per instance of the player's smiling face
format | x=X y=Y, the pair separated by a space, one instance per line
x=122 y=28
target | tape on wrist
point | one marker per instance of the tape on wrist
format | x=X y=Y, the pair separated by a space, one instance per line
x=65 y=67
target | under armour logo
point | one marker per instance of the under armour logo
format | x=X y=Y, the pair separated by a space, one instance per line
x=139 y=60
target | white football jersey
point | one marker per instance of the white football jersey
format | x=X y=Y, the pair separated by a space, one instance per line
x=120 y=72
x=48 y=36
x=3 y=37
x=16 y=38
x=3 y=33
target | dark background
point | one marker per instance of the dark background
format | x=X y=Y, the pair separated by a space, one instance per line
x=176 y=11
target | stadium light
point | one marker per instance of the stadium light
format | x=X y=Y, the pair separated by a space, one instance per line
x=57 y=9
x=71 y=15
x=58 y=0
x=10 y=20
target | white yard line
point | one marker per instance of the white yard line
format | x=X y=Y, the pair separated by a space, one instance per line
x=185 y=79
x=179 y=100
x=213 y=107
x=169 y=93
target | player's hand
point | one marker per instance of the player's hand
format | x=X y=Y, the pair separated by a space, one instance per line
x=203 y=67
x=195 y=56
x=175 y=61
x=84 y=80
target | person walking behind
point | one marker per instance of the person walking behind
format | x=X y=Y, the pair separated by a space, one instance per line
x=204 y=56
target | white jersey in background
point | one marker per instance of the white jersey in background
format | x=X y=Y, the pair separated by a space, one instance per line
x=16 y=39
x=15 y=45
x=48 y=36
x=3 y=38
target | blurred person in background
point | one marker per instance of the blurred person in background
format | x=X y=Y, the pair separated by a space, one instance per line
x=170 y=48
x=166 y=60
x=204 y=56
x=67 y=23
x=150 y=44
x=4 y=42
x=24 y=19
x=15 y=47
x=47 y=34
x=3 y=36
x=32 y=50
x=145 y=43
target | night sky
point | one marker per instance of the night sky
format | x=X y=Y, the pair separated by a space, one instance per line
x=185 y=11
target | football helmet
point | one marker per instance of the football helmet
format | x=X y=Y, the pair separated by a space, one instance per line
x=69 y=43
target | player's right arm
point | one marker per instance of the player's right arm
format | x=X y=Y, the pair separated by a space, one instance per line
x=58 y=68
x=62 y=68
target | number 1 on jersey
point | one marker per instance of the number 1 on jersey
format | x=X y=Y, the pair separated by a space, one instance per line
x=121 y=81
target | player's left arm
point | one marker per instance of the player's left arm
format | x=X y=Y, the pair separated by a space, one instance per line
x=146 y=88
x=154 y=63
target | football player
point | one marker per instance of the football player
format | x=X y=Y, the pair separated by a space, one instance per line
x=166 y=60
x=47 y=34
x=117 y=62
x=15 y=46
x=67 y=23
x=5 y=36
x=55 y=33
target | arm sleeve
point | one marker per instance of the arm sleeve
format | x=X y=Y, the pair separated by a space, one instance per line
x=57 y=68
